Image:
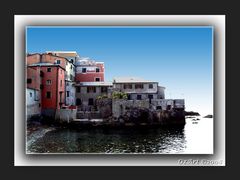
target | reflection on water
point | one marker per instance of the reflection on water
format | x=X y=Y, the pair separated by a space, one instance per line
x=128 y=140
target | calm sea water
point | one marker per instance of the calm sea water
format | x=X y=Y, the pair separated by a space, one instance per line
x=196 y=137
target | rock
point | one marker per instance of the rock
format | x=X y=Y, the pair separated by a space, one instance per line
x=191 y=113
x=208 y=116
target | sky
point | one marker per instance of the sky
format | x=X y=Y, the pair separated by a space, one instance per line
x=179 y=58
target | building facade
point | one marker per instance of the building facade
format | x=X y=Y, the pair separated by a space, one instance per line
x=72 y=56
x=88 y=92
x=33 y=93
x=70 y=90
x=52 y=87
x=64 y=62
x=138 y=89
x=89 y=71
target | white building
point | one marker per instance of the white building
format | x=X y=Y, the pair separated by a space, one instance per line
x=138 y=88
x=33 y=98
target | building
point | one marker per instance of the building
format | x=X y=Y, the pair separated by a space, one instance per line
x=33 y=93
x=88 y=92
x=142 y=94
x=72 y=56
x=65 y=62
x=52 y=87
x=138 y=88
x=88 y=70
x=59 y=80
x=46 y=58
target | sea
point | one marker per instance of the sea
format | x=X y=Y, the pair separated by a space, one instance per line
x=196 y=137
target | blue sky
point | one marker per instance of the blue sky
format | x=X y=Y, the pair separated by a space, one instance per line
x=179 y=58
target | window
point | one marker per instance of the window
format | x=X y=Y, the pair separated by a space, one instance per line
x=97 y=79
x=60 y=83
x=48 y=95
x=150 y=86
x=67 y=93
x=127 y=86
x=138 y=86
x=150 y=96
x=58 y=61
x=49 y=69
x=71 y=66
x=29 y=81
x=36 y=96
x=139 y=97
x=97 y=70
x=129 y=97
x=30 y=94
x=159 y=107
x=91 y=89
x=41 y=74
x=104 y=89
x=168 y=107
x=71 y=77
x=90 y=101
x=48 y=82
x=84 y=70
x=61 y=71
x=78 y=89
x=78 y=102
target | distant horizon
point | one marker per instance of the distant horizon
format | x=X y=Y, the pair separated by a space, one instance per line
x=178 y=58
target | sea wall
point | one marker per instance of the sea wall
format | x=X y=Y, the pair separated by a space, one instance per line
x=146 y=112
x=120 y=106
x=65 y=115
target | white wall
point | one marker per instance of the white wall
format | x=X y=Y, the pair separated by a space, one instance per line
x=33 y=99
x=72 y=93
x=69 y=71
x=145 y=89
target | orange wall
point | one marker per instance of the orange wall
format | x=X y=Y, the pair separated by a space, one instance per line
x=34 y=74
x=51 y=59
x=56 y=75
x=46 y=58
x=33 y=59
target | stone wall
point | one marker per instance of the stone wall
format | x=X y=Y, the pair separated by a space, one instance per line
x=84 y=96
x=65 y=115
x=89 y=115
x=120 y=106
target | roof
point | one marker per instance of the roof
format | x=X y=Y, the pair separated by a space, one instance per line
x=65 y=53
x=45 y=64
x=131 y=80
x=50 y=55
x=87 y=61
x=100 y=83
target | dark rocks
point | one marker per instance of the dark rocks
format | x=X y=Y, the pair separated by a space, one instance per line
x=145 y=116
x=191 y=113
x=208 y=116
x=105 y=107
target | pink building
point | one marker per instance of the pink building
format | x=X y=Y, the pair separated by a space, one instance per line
x=89 y=71
x=52 y=87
